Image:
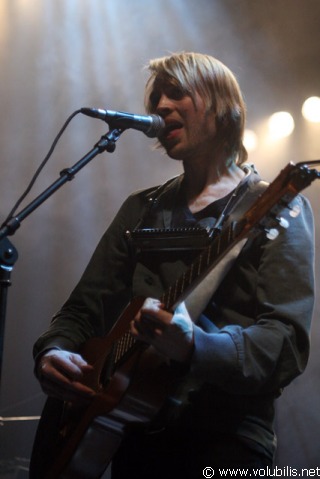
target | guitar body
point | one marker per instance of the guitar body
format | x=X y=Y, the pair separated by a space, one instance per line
x=133 y=392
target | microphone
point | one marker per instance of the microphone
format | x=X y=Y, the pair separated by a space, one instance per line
x=150 y=125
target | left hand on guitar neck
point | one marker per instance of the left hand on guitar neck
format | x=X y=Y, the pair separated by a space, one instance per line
x=171 y=334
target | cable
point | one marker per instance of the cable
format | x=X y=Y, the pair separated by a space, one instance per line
x=40 y=168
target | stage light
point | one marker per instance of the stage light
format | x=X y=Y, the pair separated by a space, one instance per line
x=311 y=109
x=280 y=125
x=250 y=140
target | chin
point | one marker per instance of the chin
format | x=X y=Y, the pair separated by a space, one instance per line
x=175 y=153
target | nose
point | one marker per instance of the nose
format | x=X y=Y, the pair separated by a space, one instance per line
x=164 y=106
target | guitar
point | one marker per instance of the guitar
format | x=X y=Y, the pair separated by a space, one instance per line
x=132 y=381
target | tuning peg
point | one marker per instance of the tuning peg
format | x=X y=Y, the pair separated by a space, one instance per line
x=294 y=211
x=283 y=222
x=272 y=233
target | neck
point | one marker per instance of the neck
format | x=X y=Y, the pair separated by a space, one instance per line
x=198 y=177
x=204 y=184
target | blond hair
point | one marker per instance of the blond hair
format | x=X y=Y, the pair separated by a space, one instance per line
x=216 y=84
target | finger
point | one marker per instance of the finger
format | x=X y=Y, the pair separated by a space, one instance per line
x=70 y=364
x=152 y=322
x=60 y=386
x=155 y=308
x=144 y=331
x=80 y=388
x=141 y=330
x=134 y=328
x=79 y=361
x=151 y=303
x=151 y=306
x=57 y=378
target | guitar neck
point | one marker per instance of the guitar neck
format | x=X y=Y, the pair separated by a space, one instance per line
x=207 y=259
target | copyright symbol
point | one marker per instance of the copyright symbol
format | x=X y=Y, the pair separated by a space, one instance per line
x=208 y=472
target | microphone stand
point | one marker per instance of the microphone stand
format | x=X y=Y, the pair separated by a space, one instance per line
x=8 y=253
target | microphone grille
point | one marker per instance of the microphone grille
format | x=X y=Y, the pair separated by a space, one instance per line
x=157 y=126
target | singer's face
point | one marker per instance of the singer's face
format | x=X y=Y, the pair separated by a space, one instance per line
x=190 y=129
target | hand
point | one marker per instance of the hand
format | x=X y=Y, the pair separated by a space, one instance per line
x=171 y=334
x=60 y=373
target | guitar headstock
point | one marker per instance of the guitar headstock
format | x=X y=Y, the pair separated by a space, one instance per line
x=264 y=214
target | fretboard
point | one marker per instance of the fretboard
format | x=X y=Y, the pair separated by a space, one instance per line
x=206 y=260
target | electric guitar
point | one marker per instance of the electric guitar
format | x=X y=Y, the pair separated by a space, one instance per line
x=132 y=381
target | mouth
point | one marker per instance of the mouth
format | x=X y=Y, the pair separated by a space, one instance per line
x=171 y=129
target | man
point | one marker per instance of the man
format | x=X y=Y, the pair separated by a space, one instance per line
x=248 y=341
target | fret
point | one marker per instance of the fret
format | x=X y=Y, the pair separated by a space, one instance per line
x=118 y=351
x=218 y=241
x=123 y=345
x=183 y=282
x=230 y=234
x=191 y=271
x=209 y=249
x=175 y=291
x=170 y=299
x=165 y=299
x=127 y=342
x=180 y=286
x=200 y=264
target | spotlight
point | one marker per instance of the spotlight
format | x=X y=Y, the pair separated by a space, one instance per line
x=280 y=125
x=250 y=140
x=311 y=109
